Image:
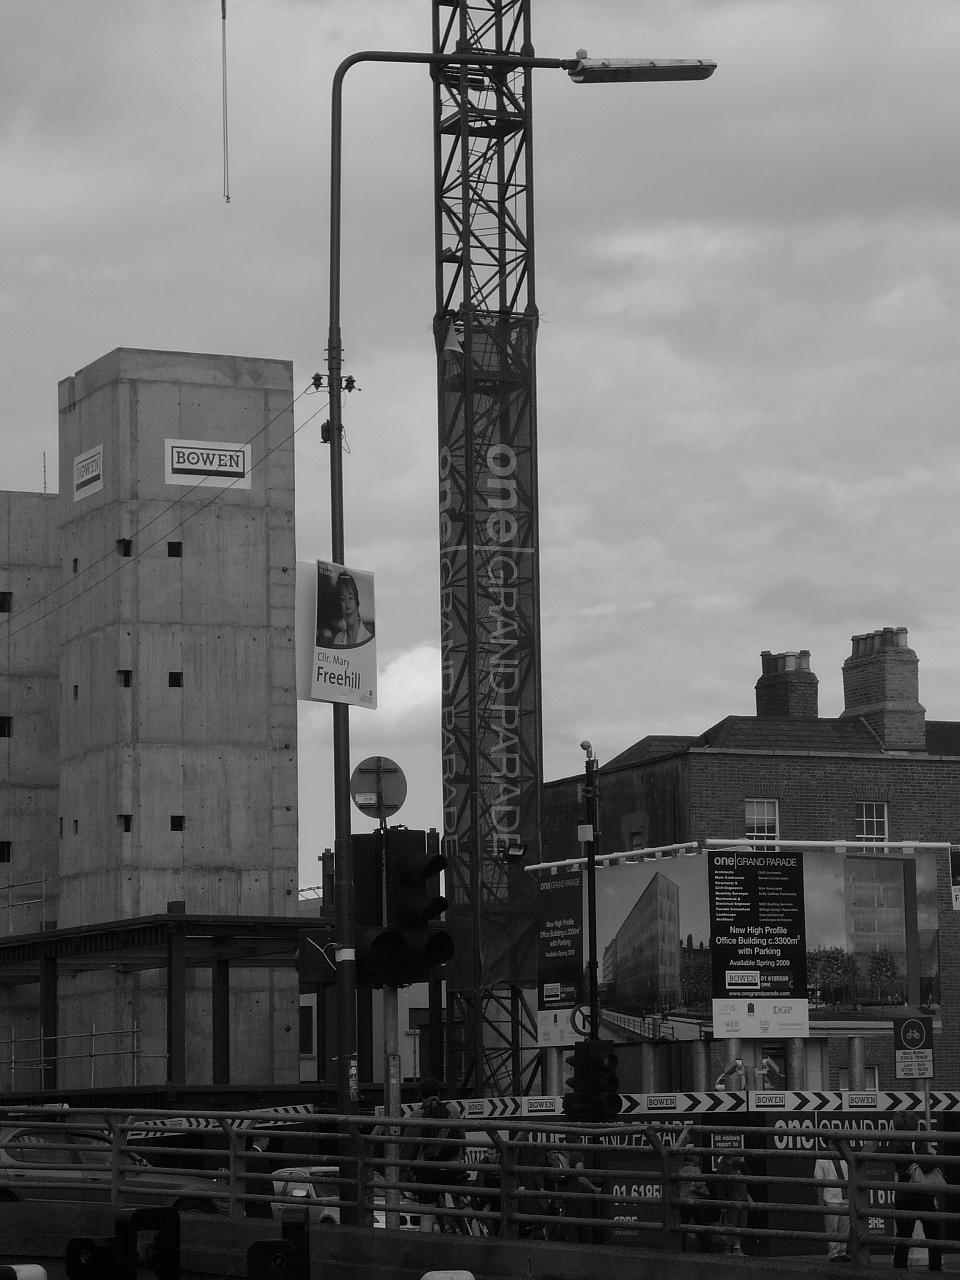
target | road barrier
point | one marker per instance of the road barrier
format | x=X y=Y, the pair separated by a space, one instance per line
x=661 y=1182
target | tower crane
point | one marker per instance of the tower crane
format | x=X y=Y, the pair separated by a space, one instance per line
x=485 y=329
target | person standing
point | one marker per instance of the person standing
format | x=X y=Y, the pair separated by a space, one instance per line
x=692 y=1196
x=435 y=1153
x=732 y=1166
x=919 y=1184
x=831 y=1175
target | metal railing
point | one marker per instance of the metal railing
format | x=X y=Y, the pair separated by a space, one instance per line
x=617 y=1184
x=29 y=1053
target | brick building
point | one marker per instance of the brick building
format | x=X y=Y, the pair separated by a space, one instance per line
x=879 y=772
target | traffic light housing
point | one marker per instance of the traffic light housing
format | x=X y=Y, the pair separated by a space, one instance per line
x=604 y=1082
x=412 y=866
x=397 y=899
x=576 y=1103
x=379 y=948
x=594 y=1086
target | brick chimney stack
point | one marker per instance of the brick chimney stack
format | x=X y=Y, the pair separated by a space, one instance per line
x=881 y=685
x=787 y=688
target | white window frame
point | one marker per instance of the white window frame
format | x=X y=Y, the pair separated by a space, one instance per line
x=758 y=832
x=870 y=818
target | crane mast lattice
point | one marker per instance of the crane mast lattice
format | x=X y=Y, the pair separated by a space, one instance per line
x=485 y=330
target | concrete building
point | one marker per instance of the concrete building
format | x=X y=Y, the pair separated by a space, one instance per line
x=148 y=750
x=880 y=771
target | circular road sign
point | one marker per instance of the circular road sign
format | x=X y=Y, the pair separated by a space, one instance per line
x=913 y=1033
x=378 y=787
x=580 y=1020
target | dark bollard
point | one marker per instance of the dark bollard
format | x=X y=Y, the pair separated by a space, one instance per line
x=142 y=1237
x=273 y=1260
x=89 y=1259
x=160 y=1249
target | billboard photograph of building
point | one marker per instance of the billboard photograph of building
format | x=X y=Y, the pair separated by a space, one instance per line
x=870 y=931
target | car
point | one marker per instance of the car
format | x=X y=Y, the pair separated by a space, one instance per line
x=316 y=1188
x=53 y=1161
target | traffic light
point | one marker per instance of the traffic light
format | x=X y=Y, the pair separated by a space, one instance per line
x=412 y=866
x=576 y=1103
x=604 y=1084
x=594 y=1087
x=379 y=948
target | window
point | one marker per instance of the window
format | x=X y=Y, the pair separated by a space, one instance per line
x=871 y=819
x=76 y=565
x=76 y=826
x=175 y=679
x=4 y=850
x=76 y=693
x=761 y=822
x=124 y=547
x=174 y=550
x=124 y=677
x=6 y=601
x=177 y=822
x=6 y=726
x=124 y=821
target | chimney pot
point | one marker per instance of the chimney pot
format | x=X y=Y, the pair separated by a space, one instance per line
x=787 y=688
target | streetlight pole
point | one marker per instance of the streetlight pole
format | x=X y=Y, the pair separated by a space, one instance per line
x=591 y=798
x=582 y=70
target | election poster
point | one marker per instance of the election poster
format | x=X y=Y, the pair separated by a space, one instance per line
x=336 y=634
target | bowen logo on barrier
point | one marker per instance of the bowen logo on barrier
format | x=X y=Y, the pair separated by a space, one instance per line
x=869 y=1101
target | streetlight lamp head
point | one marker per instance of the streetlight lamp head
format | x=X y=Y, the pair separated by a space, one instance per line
x=587 y=747
x=514 y=853
x=584 y=70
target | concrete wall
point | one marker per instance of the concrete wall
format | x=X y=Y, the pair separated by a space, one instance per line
x=106 y=748
x=214 y=1247
x=214 y=754
x=30 y=573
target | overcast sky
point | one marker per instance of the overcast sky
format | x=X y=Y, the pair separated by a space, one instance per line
x=747 y=365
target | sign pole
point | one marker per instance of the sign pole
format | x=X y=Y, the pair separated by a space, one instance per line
x=591 y=795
